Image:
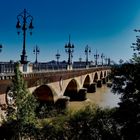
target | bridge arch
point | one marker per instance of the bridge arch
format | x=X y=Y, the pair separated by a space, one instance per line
x=101 y=75
x=44 y=93
x=71 y=89
x=86 y=83
x=105 y=73
x=95 y=77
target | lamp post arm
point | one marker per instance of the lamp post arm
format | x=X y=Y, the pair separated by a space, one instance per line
x=18 y=16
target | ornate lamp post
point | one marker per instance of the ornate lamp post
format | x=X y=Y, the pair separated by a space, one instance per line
x=57 y=57
x=36 y=51
x=0 y=64
x=80 y=59
x=102 y=57
x=69 y=48
x=109 y=61
x=136 y=30
x=22 y=17
x=87 y=52
x=0 y=48
x=106 y=61
x=96 y=56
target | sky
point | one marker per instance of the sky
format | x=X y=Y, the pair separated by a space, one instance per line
x=104 y=25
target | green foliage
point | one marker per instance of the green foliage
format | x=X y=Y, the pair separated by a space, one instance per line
x=136 y=58
x=126 y=82
x=22 y=112
x=136 y=49
x=47 y=110
x=90 y=123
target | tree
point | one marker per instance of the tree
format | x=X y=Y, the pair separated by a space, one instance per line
x=89 y=123
x=136 y=49
x=120 y=61
x=126 y=81
x=22 y=111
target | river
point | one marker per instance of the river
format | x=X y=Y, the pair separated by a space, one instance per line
x=103 y=97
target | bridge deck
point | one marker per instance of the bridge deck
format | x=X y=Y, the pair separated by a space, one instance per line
x=44 y=77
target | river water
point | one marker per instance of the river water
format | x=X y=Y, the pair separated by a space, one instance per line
x=103 y=97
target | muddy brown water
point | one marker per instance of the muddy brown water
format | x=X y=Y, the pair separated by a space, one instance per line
x=103 y=97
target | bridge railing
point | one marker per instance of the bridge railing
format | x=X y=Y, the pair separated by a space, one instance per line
x=47 y=67
x=42 y=73
x=55 y=66
x=7 y=68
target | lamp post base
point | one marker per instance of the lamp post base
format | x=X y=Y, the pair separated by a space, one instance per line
x=87 y=66
x=24 y=63
x=26 y=68
x=69 y=67
x=23 y=59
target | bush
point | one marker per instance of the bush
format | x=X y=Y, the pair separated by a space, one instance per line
x=90 y=123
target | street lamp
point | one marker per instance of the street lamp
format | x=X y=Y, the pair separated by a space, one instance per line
x=0 y=48
x=80 y=59
x=109 y=61
x=96 y=56
x=24 y=26
x=106 y=61
x=69 y=48
x=36 y=51
x=87 y=52
x=136 y=30
x=57 y=57
x=102 y=57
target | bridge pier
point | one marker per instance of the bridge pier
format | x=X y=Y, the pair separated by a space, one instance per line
x=82 y=94
x=99 y=83
x=86 y=86
x=103 y=80
x=107 y=79
x=76 y=96
x=62 y=102
x=92 y=88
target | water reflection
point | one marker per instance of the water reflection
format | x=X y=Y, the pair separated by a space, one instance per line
x=103 y=97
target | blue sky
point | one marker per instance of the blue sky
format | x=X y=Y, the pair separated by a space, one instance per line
x=105 y=25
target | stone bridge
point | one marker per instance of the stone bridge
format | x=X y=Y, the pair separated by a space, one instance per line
x=52 y=85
